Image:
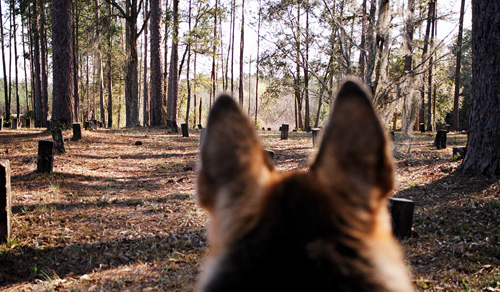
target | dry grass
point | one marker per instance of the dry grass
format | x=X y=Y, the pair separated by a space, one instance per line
x=116 y=216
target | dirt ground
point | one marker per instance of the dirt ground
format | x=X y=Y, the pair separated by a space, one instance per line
x=116 y=216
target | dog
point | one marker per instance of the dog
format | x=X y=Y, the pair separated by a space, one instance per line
x=323 y=229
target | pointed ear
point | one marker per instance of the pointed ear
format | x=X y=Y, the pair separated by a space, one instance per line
x=354 y=155
x=233 y=162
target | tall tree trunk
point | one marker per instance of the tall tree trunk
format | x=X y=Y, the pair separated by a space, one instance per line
x=188 y=70
x=410 y=101
x=362 y=53
x=257 y=63
x=371 y=46
x=145 y=102
x=25 y=68
x=242 y=47
x=156 y=65
x=5 y=83
x=456 y=117
x=173 y=85
x=37 y=67
x=76 y=103
x=16 y=58
x=132 y=76
x=430 y=13
x=99 y=63
x=431 y=64
x=307 y=123
x=44 y=64
x=233 y=24
x=297 y=90
x=483 y=146
x=62 y=46
x=213 y=75
x=110 y=76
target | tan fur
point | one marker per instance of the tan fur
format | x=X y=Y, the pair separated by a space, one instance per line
x=327 y=228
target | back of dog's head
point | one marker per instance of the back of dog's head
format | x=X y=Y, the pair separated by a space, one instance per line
x=324 y=229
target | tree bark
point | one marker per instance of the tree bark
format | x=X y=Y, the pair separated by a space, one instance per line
x=242 y=47
x=483 y=146
x=99 y=63
x=5 y=83
x=456 y=117
x=44 y=64
x=37 y=68
x=62 y=46
x=173 y=85
x=156 y=65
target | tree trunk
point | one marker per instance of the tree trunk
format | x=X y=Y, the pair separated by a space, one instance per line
x=99 y=64
x=16 y=57
x=257 y=63
x=145 y=101
x=431 y=64
x=44 y=64
x=5 y=83
x=307 y=123
x=156 y=65
x=132 y=75
x=456 y=117
x=62 y=46
x=483 y=147
x=76 y=103
x=242 y=46
x=36 y=64
x=110 y=77
x=185 y=126
x=430 y=13
x=173 y=85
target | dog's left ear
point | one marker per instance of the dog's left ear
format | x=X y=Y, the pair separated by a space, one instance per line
x=233 y=162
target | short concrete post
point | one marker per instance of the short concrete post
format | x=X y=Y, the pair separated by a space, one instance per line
x=1 y=124
x=5 y=201
x=316 y=135
x=15 y=124
x=284 y=131
x=184 y=129
x=77 y=132
x=402 y=216
x=440 y=141
x=45 y=156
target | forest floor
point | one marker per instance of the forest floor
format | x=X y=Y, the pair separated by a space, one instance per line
x=116 y=216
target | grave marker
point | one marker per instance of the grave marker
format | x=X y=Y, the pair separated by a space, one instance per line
x=5 y=201
x=45 y=156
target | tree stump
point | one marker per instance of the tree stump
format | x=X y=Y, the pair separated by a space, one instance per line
x=459 y=152
x=45 y=156
x=440 y=141
x=316 y=135
x=402 y=216
x=184 y=129
x=77 y=132
x=5 y=201
x=15 y=124
x=284 y=132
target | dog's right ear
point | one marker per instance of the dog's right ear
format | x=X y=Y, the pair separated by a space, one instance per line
x=233 y=163
x=354 y=155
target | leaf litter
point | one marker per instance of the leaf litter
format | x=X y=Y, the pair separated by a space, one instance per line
x=116 y=216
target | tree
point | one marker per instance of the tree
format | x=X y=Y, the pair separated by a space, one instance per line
x=131 y=13
x=173 y=84
x=483 y=147
x=62 y=47
x=456 y=117
x=99 y=62
x=156 y=66
x=5 y=83
x=242 y=46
